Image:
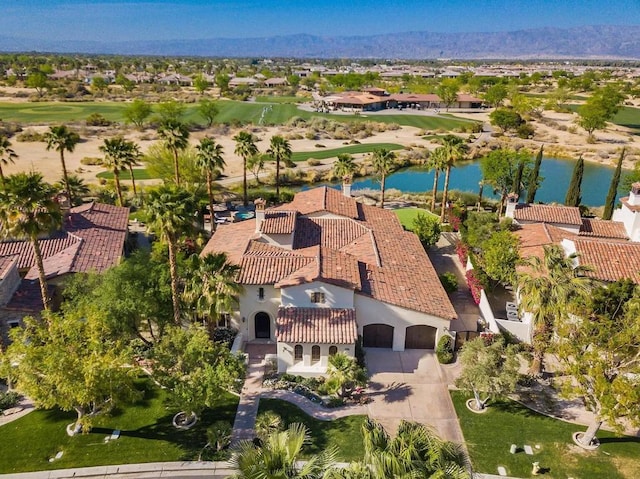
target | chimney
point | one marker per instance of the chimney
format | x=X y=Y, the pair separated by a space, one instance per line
x=346 y=186
x=260 y=204
x=634 y=196
x=512 y=202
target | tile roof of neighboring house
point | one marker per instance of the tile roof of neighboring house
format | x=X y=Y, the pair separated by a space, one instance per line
x=567 y=215
x=611 y=260
x=316 y=325
x=28 y=297
x=6 y=263
x=344 y=243
x=602 y=229
x=92 y=240
x=278 y=222
x=534 y=236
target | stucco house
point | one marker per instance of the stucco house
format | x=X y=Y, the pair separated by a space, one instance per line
x=324 y=269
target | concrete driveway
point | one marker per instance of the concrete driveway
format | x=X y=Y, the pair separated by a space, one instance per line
x=410 y=385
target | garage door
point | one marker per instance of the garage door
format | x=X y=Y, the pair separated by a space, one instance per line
x=377 y=336
x=420 y=337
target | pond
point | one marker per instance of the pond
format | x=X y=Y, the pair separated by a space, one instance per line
x=556 y=173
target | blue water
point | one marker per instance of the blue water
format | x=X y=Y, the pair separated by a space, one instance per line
x=466 y=177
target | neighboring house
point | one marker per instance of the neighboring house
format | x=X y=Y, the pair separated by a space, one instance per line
x=373 y=99
x=92 y=239
x=324 y=269
x=243 y=81
x=275 y=82
x=610 y=248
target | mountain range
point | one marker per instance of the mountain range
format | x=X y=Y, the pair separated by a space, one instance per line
x=588 y=42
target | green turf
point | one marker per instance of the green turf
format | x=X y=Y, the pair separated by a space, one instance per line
x=282 y=99
x=351 y=149
x=345 y=433
x=489 y=436
x=138 y=174
x=245 y=112
x=627 y=116
x=407 y=215
x=147 y=435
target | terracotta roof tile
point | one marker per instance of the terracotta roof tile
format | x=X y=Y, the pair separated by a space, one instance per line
x=316 y=325
x=269 y=269
x=611 y=260
x=6 y=263
x=231 y=239
x=568 y=215
x=28 y=297
x=603 y=229
x=332 y=233
x=278 y=222
x=51 y=246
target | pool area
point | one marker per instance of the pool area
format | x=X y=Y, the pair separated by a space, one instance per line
x=244 y=215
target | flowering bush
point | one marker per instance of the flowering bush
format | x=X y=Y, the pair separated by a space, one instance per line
x=475 y=285
x=462 y=251
x=455 y=222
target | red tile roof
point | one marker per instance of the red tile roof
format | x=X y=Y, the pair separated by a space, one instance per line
x=602 y=229
x=28 y=297
x=567 y=215
x=269 y=269
x=278 y=222
x=316 y=325
x=611 y=260
x=6 y=263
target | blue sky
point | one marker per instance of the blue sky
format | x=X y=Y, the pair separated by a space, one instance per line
x=193 y=19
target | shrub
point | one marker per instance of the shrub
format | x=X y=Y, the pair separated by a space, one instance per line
x=462 y=250
x=9 y=399
x=313 y=162
x=96 y=119
x=427 y=227
x=91 y=161
x=224 y=335
x=319 y=145
x=449 y=282
x=525 y=131
x=444 y=350
x=30 y=136
x=474 y=284
x=334 y=402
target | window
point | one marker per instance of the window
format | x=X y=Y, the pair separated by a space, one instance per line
x=297 y=352
x=315 y=354
x=224 y=320
x=261 y=294
x=317 y=297
x=333 y=350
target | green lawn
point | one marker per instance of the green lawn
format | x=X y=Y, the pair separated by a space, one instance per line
x=345 y=433
x=52 y=112
x=322 y=154
x=147 y=435
x=489 y=436
x=628 y=116
x=138 y=174
x=282 y=99
x=407 y=215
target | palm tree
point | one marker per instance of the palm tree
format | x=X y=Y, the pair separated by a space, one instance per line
x=279 y=457
x=280 y=150
x=344 y=373
x=170 y=211
x=130 y=160
x=210 y=160
x=245 y=148
x=437 y=162
x=28 y=211
x=383 y=161
x=212 y=289
x=175 y=136
x=118 y=155
x=547 y=292
x=344 y=166
x=61 y=139
x=454 y=151
x=7 y=155
x=78 y=187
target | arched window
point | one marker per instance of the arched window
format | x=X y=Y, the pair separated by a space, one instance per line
x=333 y=350
x=297 y=352
x=315 y=353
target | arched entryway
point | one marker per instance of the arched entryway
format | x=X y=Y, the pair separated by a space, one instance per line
x=377 y=336
x=420 y=337
x=263 y=326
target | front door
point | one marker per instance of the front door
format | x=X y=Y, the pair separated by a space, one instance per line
x=263 y=326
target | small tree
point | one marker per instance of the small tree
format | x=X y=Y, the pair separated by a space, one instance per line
x=448 y=91
x=487 y=368
x=344 y=374
x=38 y=81
x=500 y=256
x=505 y=119
x=610 y=202
x=137 y=112
x=574 y=194
x=208 y=110
x=427 y=227
x=255 y=164
x=534 y=178
x=200 y=84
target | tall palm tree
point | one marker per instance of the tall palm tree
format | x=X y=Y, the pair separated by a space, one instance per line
x=280 y=150
x=118 y=155
x=210 y=160
x=212 y=289
x=170 y=211
x=279 y=457
x=245 y=148
x=344 y=166
x=455 y=150
x=131 y=158
x=437 y=162
x=383 y=161
x=61 y=139
x=175 y=136
x=548 y=291
x=7 y=155
x=28 y=211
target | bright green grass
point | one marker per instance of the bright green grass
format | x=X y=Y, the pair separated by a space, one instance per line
x=407 y=215
x=147 y=435
x=138 y=174
x=351 y=149
x=282 y=99
x=345 y=433
x=489 y=436
x=627 y=116
x=245 y=112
